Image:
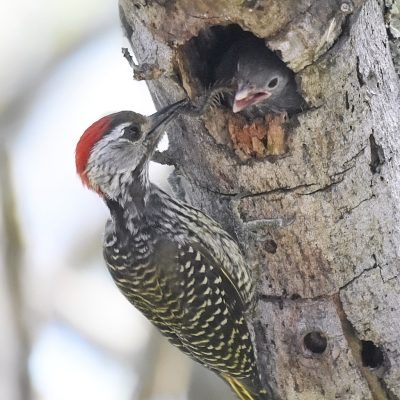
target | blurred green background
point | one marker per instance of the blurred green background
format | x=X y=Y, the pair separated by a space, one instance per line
x=66 y=331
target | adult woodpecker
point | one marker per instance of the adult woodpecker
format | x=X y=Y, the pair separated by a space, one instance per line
x=261 y=80
x=170 y=260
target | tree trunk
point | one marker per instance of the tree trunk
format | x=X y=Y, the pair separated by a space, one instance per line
x=315 y=203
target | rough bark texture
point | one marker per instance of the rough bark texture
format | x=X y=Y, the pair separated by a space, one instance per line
x=320 y=221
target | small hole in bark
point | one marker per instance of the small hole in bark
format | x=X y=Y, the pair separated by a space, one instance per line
x=371 y=355
x=271 y=246
x=315 y=342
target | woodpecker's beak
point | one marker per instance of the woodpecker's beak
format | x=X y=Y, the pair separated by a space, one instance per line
x=163 y=116
x=245 y=97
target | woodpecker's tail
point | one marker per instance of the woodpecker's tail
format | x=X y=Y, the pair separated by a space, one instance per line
x=242 y=391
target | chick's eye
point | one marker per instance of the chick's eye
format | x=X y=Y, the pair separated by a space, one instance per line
x=131 y=133
x=272 y=83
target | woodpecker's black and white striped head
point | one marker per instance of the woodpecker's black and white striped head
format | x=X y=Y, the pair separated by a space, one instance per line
x=116 y=149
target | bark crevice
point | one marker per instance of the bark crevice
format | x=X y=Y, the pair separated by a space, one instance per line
x=376 y=386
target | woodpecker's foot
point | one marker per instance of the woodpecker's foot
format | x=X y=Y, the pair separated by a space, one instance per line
x=253 y=228
x=259 y=229
x=268 y=223
x=235 y=205
x=143 y=71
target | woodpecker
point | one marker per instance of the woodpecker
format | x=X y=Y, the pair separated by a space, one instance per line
x=261 y=80
x=171 y=261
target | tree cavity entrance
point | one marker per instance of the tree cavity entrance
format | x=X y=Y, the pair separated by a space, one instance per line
x=203 y=53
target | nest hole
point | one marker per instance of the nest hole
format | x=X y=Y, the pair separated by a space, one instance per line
x=371 y=355
x=204 y=62
x=203 y=53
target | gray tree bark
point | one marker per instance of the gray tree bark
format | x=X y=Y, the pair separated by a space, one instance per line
x=315 y=205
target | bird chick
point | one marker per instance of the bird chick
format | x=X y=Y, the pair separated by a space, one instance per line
x=261 y=80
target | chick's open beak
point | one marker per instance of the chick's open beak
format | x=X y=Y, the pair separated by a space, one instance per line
x=245 y=97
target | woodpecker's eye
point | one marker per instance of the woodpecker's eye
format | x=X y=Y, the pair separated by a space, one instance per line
x=131 y=133
x=272 y=83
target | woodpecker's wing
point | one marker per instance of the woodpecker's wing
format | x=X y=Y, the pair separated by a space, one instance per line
x=193 y=227
x=204 y=310
x=190 y=293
